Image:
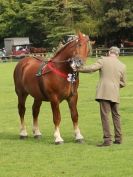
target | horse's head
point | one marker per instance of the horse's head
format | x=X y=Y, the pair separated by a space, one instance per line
x=75 y=51
x=81 y=51
x=77 y=46
x=82 y=46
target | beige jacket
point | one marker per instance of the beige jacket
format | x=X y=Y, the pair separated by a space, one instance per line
x=112 y=77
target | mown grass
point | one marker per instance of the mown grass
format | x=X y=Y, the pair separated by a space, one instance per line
x=32 y=158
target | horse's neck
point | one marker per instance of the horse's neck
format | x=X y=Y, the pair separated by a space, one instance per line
x=60 y=61
x=62 y=56
x=65 y=53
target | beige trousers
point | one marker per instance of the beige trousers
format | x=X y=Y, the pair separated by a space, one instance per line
x=105 y=108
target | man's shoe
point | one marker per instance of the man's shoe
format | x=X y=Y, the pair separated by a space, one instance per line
x=104 y=144
x=116 y=142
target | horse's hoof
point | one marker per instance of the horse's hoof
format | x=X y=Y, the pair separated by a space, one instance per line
x=80 y=141
x=59 y=142
x=23 y=137
x=37 y=137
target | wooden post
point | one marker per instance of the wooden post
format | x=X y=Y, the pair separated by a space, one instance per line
x=96 y=53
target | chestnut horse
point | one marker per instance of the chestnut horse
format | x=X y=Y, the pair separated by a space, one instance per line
x=57 y=82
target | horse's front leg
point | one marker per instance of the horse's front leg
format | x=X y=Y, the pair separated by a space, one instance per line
x=35 y=111
x=56 y=120
x=72 y=102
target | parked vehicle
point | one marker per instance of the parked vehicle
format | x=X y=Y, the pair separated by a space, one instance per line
x=18 y=46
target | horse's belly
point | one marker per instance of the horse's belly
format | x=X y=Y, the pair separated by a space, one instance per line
x=60 y=90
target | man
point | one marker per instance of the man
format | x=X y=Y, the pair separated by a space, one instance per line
x=112 y=77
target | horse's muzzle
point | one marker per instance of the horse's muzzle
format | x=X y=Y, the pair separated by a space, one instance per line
x=75 y=63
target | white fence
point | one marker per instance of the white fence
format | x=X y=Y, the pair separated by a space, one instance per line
x=97 y=52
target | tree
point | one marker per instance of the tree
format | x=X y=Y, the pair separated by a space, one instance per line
x=12 y=22
x=46 y=22
x=117 y=18
x=51 y=20
x=87 y=17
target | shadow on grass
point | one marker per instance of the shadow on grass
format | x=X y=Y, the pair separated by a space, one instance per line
x=7 y=136
x=47 y=140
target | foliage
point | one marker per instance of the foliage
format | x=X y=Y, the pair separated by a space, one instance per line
x=47 y=22
x=118 y=17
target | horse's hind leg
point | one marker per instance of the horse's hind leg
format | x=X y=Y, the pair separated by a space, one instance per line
x=35 y=112
x=72 y=102
x=21 y=110
x=56 y=120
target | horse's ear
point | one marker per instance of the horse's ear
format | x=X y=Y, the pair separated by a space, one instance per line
x=80 y=35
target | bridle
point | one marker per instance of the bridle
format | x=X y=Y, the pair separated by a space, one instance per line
x=74 y=62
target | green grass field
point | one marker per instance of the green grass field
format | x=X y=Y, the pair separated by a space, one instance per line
x=33 y=158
